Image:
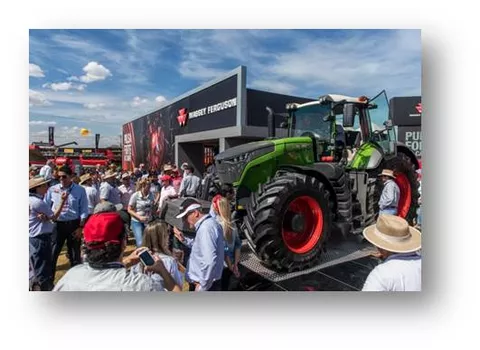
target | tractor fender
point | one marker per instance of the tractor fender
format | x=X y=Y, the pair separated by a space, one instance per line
x=316 y=174
x=402 y=148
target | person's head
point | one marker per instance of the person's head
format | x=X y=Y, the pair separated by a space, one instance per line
x=166 y=180
x=105 y=239
x=221 y=206
x=155 y=237
x=386 y=175
x=391 y=234
x=65 y=175
x=190 y=212
x=86 y=180
x=143 y=185
x=228 y=192
x=126 y=179
x=141 y=167
x=38 y=185
x=55 y=173
x=51 y=163
x=109 y=177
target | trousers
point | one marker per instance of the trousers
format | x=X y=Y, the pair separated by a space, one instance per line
x=64 y=231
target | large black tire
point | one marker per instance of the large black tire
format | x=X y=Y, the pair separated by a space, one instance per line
x=265 y=220
x=402 y=164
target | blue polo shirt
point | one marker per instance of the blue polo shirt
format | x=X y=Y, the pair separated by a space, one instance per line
x=76 y=206
x=37 y=226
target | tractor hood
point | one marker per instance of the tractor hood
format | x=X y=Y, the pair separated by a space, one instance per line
x=231 y=163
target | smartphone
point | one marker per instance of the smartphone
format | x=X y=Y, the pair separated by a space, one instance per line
x=146 y=258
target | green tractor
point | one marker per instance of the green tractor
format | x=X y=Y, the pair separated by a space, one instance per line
x=294 y=194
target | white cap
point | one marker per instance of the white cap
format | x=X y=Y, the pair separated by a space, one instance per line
x=189 y=209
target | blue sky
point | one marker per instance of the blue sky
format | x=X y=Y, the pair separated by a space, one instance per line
x=100 y=79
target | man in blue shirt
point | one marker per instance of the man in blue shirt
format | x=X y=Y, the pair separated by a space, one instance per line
x=205 y=266
x=72 y=217
x=108 y=191
x=388 y=202
x=40 y=232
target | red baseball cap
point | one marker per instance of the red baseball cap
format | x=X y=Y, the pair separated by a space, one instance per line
x=103 y=228
x=165 y=178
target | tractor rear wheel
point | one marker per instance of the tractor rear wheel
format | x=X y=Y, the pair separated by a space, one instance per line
x=288 y=220
x=406 y=179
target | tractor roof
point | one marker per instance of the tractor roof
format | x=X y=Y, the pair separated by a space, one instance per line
x=340 y=98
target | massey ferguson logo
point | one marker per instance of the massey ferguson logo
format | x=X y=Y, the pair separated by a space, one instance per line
x=418 y=107
x=182 y=116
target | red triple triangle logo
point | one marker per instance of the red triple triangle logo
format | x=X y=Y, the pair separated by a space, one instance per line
x=182 y=116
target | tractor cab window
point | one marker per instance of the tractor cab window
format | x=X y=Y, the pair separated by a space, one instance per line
x=350 y=136
x=311 y=121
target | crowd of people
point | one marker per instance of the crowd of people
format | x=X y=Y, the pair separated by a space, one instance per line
x=95 y=213
x=85 y=210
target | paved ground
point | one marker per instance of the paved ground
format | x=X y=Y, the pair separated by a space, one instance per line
x=348 y=276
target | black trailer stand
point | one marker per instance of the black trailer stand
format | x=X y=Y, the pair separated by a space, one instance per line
x=343 y=267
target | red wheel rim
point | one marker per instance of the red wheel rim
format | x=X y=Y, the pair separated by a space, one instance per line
x=303 y=241
x=405 y=200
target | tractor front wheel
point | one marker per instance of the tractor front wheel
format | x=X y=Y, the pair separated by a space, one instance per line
x=288 y=221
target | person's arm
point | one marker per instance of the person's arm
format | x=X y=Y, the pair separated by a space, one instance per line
x=58 y=211
x=83 y=205
x=103 y=193
x=48 y=198
x=387 y=197
x=132 y=207
x=159 y=268
x=210 y=257
x=182 y=187
x=184 y=240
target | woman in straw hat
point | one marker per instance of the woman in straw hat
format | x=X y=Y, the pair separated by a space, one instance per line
x=40 y=232
x=388 y=202
x=398 y=244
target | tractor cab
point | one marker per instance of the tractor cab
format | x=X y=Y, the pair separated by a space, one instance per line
x=339 y=125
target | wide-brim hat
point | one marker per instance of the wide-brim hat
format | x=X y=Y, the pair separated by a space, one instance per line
x=37 y=181
x=167 y=167
x=125 y=176
x=109 y=174
x=387 y=172
x=392 y=233
x=84 y=178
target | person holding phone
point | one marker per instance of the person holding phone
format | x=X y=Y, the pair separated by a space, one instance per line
x=105 y=268
x=140 y=208
x=155 y=239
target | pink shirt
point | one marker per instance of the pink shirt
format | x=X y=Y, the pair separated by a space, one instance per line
x=165 y=193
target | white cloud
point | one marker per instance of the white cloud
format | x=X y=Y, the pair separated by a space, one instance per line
x=94 y=105
x=275 y=86
x=42 y=122
x=64 y=86
x=138 y=101
x=35 y=71
x=160 y=100
x=94 y=72
x=36 y=98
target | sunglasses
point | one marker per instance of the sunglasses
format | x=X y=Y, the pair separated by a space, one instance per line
x=62 y=176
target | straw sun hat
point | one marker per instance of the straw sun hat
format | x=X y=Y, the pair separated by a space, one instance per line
x=392 y=233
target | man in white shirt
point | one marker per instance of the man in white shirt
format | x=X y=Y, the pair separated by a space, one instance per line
x=108 y=191
x=126 y=190
x=388 y=202
x=190 y=182
x=93 y=196
x=168 y=191
x=398 y=244
x=46 y=170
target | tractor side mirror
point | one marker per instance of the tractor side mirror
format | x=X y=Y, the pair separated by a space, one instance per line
x=348 y=115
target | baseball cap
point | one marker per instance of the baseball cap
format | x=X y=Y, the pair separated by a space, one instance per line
x=187 y=207
x=103 y=228
x=165 y=178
